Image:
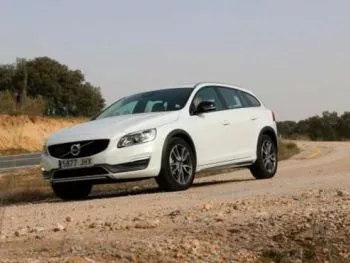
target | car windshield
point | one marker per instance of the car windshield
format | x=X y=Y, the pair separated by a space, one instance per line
x=151 y=101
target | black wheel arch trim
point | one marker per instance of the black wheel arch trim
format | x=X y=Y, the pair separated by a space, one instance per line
x=184 y=135
x=269 y=130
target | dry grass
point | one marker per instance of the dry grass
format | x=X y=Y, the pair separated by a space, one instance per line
x=20 y=134
x=287 y=149
x=13 y=151
x=25 y=186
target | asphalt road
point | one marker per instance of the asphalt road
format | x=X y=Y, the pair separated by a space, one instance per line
x=19 y=161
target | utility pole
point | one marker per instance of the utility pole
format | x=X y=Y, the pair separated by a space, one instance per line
x=22 y=73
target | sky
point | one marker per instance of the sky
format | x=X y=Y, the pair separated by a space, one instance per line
x=293 y=54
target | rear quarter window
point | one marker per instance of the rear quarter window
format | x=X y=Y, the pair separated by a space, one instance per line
x=249 y=100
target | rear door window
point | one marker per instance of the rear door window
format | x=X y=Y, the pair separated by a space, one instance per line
x=231 y=97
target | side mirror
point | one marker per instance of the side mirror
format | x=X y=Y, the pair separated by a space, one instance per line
x=206 y=106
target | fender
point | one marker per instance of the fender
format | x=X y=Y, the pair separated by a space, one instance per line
x=270 y=131
x=183 y=135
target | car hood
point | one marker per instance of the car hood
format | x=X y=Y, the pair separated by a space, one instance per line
x=112 y=127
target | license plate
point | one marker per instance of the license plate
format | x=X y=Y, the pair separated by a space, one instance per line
x=75 y=163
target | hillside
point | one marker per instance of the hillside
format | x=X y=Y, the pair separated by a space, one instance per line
x=20 y=134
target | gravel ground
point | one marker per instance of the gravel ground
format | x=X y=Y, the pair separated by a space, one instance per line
x=301 y=215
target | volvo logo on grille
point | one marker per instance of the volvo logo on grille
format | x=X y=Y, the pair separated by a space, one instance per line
x=75 y=149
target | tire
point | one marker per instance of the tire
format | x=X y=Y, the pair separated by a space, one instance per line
x=72 y=191
x=170 y=178
x=267 y=160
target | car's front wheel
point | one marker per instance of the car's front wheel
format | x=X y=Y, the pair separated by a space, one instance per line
x=178 y=166
x=267 y=161
x=72 y=191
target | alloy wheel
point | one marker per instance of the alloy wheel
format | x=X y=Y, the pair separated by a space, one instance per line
x=268 y=154
x=181 y=165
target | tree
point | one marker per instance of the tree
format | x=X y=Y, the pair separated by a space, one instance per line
x=90 y=102
x=314 y=128
x=286 y=128
x=65 y=91
x=344 y=126
x=329 y=126
x=20 y=81
x=6 y=77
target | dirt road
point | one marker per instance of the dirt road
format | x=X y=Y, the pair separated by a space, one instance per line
x=222 y=218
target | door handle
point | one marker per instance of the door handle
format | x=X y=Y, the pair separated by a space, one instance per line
x=253 y=118
x=225 y=123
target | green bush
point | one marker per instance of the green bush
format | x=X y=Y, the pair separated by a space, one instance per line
x=330 y=126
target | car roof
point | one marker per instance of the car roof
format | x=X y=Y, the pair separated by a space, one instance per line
x=201 y=84
x=196 y=84
x=222 y=84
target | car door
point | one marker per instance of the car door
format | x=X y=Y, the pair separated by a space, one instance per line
x=256 y=115
x=208 y=129
x=242 y=128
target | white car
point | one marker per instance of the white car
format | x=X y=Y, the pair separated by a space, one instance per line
x=169 y=134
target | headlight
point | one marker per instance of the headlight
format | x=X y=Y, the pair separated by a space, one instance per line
x=137 y=138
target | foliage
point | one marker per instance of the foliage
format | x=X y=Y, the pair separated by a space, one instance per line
x=329 y=126
x=8 y=103
x=63 y=91
x=29 y=106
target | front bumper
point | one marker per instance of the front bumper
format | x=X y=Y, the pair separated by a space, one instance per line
x=113 y=164
x=99 y=173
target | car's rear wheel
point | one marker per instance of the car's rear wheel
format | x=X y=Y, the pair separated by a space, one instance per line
x=266 y=164
x=72 y=191
x=178 y=166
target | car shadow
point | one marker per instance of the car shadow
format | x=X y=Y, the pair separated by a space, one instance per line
x=112 y=191
x=153 y=189
x=215 y=182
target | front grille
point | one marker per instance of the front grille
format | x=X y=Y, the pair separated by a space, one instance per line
x=79 y=172
x=87 y=148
